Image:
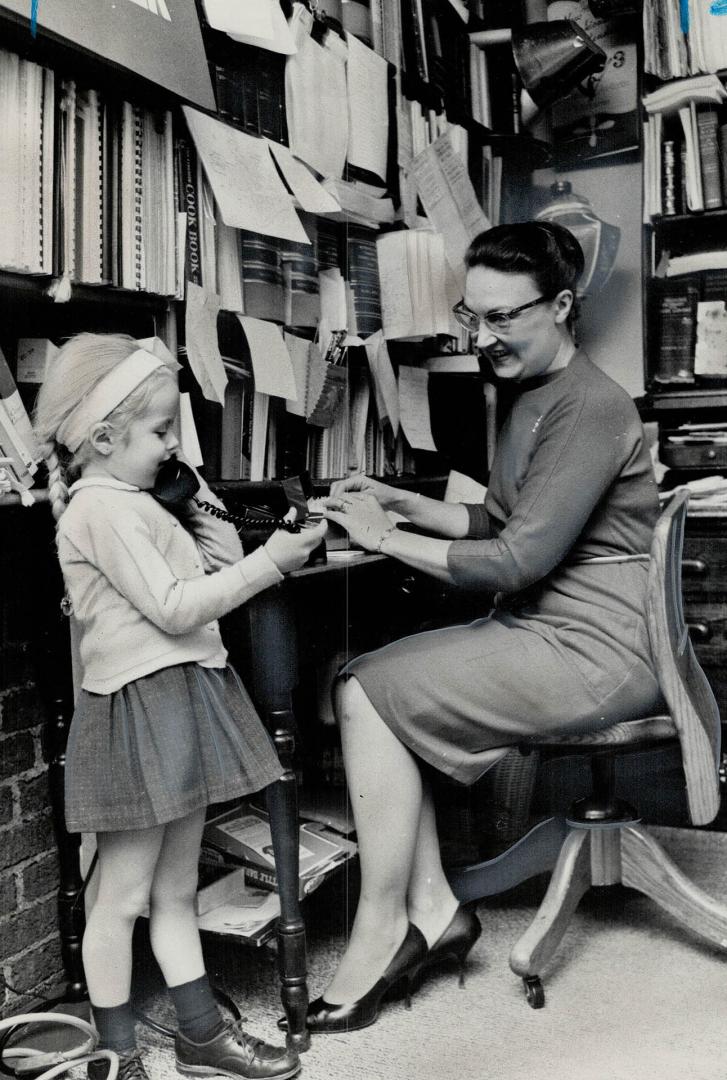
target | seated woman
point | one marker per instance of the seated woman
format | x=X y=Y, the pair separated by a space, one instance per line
x=561 y=539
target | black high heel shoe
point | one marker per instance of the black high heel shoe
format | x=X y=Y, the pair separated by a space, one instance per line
x=322 y=1016
x=455 y=942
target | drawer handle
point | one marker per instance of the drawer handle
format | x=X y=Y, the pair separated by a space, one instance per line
x=694 y=566
x=699 y=631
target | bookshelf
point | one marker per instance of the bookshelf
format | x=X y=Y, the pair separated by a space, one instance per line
x=685 y=286
x=268 y=277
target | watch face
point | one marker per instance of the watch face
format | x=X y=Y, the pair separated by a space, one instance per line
x=600 y=118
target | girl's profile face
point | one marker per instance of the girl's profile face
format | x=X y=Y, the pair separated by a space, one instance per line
x=137 y=454
x=529 y=346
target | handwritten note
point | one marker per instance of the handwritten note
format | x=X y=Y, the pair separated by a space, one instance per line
x=414 y=407
x=203 y=350
x=245 y=182
x=271 y=364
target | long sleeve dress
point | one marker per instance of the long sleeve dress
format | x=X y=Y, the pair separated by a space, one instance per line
x=566 y=647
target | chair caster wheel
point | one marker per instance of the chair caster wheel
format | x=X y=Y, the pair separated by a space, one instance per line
x=534 y=991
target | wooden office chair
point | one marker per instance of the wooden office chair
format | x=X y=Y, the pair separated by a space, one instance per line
x=600 y=841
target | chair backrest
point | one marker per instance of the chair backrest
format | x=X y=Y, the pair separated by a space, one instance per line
x=683 y=683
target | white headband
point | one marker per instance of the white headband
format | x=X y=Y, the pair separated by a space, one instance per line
x=109 y=392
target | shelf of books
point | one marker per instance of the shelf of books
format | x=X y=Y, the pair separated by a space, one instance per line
x=289 y=213
x=685 y=205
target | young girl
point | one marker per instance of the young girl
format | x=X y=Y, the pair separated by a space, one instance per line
x=162 y=725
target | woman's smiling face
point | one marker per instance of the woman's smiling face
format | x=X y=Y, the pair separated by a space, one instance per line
x=530 y=345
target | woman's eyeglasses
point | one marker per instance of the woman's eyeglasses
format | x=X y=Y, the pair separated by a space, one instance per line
x=497 y=321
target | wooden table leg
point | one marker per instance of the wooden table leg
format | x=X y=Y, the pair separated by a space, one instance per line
x=283 y=808
x=274 y=674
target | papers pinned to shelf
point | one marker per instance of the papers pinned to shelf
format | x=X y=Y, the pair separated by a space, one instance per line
x=316 y=100
x=246 y=185
x=382 y=372
x=309 y=193
x=449 y=200
x=188 y=432
x=271 y=364
x=367 y=78
x=202 y=348
x=254 y=22
x=414 y=407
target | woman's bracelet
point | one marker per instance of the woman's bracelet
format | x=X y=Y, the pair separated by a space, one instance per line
x=384 y=536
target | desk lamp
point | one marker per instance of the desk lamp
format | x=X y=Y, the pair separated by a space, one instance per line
x=552 y=58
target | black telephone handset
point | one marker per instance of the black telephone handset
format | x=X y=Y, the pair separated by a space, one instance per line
x=176 y=483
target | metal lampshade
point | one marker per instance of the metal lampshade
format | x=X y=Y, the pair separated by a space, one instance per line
x=552 y=58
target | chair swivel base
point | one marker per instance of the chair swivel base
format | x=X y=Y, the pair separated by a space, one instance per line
x=609 y=855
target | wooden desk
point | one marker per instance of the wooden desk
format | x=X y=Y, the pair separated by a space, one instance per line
x=315 y=612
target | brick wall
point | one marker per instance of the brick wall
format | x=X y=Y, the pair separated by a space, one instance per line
x=30 y=957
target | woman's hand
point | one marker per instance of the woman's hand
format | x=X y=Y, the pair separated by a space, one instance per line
x=365 y=485
x=363 y=518
x=290 y=551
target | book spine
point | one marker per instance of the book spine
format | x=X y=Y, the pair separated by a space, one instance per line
x=676 y=318
x=187 y=163
x=668 y=178
x=139 y=274
x=709 y=159
x=722 y=145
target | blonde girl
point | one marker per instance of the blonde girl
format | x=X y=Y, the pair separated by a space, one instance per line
x=162 y=725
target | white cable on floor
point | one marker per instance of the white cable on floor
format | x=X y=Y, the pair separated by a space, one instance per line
x=57 y=1062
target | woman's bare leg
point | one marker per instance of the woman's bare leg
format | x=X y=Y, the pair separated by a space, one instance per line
x=385 y=788
x=431 y=902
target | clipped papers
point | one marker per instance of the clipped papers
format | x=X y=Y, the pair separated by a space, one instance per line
x=367 y=77
x=244 y=180
x=414 y=407
x=449 y=200
x=271 y=364
x=201 y=336
x=316 y=99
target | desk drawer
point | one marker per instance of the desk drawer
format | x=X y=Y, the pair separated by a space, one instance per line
x=708 y=629
x=704 y=565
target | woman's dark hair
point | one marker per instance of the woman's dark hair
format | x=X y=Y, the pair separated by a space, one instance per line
x=549 y=253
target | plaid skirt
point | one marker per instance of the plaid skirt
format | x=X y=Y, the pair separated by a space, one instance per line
x=162 y=747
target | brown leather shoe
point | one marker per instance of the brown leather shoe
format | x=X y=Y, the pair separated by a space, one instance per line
x=235 y=1053
x=130 y=1068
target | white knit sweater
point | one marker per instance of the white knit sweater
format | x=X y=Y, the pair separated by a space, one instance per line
x=146 y=592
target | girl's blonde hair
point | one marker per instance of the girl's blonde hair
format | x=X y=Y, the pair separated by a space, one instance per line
x=80 y=365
